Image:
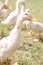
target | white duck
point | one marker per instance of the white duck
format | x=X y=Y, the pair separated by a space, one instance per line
x=9 y=44
x=31 y=18
x=4 y=9
x=35 y=26
x=4 y=5
x=11 y=20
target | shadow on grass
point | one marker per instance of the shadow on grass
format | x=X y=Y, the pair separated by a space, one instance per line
x=41 y=39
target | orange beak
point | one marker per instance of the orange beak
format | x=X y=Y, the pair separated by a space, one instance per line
x=32 y=19
x=9 y=8
x=6 y=7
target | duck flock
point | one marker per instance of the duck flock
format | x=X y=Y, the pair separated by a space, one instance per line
x=16 y=18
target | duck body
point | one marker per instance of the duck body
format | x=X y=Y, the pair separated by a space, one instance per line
x=12 y=17
x=36 y=26
x=9 y=44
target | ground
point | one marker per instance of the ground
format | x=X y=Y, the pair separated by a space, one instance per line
x=29 y=53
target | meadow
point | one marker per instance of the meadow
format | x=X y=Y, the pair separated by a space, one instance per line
x=29 y=52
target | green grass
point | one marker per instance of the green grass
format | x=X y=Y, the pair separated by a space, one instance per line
x=29 y=53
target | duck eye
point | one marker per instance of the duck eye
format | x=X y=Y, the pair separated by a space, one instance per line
x=26 y=14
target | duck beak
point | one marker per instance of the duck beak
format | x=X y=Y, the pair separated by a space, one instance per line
x=9 y=8
x=32 y=19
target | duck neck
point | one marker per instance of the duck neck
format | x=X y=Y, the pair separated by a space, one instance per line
x=6 y=2
x=18 y=24
x=16 y=30
x=17 y=6
x=17 y=27
x=23 y=8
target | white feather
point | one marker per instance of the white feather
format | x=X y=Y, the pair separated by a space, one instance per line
x=36 y=26
x=9 y=44
x=11 y=20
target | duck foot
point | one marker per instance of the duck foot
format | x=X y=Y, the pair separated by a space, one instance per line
x=30 y=33
x=0 y=63
x=12 y=63
x=36 y=40
x=11 y=26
